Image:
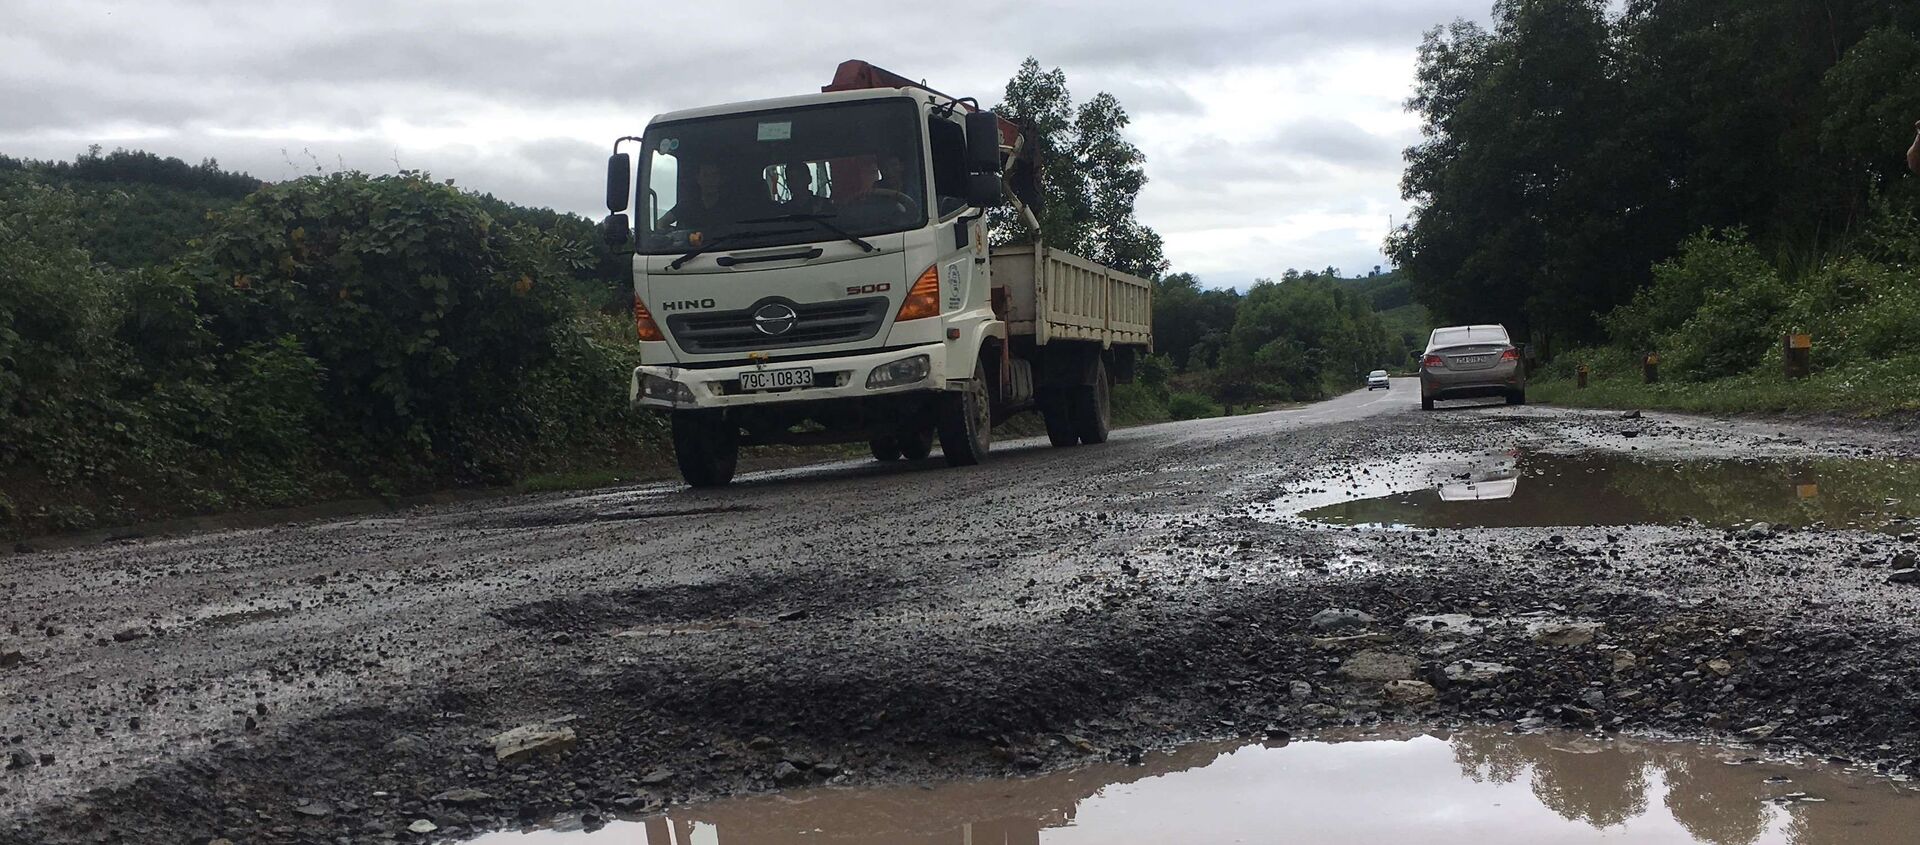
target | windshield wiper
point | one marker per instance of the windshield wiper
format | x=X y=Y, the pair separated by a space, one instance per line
x=717 y=240
x=817 y=219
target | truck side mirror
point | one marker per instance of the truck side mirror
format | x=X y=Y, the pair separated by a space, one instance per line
x=614 y=230
x=619 y=182
x=983 y=190
x=983 y=142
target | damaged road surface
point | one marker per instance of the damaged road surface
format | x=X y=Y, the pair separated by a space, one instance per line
x=451 y=671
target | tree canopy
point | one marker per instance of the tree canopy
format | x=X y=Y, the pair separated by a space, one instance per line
x=1090 y=175
x=1568 y=149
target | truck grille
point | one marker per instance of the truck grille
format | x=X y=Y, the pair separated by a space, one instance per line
x=814 y=324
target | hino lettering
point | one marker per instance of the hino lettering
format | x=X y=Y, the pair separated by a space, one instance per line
x=746 y=222
x=686 y=304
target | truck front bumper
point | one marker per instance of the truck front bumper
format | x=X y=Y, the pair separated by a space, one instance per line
x=667 y=387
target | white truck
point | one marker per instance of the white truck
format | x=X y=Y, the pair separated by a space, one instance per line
x=816 y=269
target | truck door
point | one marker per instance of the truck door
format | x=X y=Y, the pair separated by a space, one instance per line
x=960 y=237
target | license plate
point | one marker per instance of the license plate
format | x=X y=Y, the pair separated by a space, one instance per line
x=776 y=379
x=1474 y=359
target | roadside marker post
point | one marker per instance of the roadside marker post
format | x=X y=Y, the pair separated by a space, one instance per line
x=1650 y=368
x=1580 y=377
x=1796 y=354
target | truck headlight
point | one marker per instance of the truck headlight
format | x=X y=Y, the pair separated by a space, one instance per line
x=665 y=389
x=903 y=371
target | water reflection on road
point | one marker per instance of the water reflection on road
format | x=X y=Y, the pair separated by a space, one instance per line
x=1517 y=488
x=1479 y=786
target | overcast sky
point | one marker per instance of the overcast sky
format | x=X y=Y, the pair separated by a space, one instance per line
x=1272 y=128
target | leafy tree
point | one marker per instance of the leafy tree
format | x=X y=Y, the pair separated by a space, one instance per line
x=1190 y=323
x=1873 y=94
x=1304 y=337
x=1517 y=151
x=1090 y=175
x=1567 y=151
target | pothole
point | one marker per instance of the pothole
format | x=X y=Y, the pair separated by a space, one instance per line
x=1475 y=787
x=1520 y=488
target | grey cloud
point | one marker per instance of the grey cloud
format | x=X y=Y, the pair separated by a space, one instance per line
x=1150 y=96
x=186 y=74
x=1337 y=141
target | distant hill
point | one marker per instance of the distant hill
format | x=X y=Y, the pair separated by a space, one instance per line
x=1391 y=295
x=141 y=209
x=1386 y=291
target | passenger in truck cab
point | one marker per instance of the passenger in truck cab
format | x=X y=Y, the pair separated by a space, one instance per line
x=893 y=177
x=800 y=187
x=705 y=209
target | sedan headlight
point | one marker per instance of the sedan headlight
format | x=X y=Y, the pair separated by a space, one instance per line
x=903 y=371
x=665 y=389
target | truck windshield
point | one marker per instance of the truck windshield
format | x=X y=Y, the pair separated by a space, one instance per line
x=857 y=166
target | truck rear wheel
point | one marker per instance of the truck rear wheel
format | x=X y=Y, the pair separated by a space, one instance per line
x=1056 y=410
x=966 y=422
x=706 y=447
x=1091 y=406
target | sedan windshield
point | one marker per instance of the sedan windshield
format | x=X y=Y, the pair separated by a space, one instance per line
x=780 y=177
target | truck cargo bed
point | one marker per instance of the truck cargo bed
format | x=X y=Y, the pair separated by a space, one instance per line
x=1054 y=295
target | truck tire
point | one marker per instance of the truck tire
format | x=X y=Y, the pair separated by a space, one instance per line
x=966 y=422
x=1059 y=416
x=706 y=447
x=917 y=445
x=1090 y=406
x=885 y=447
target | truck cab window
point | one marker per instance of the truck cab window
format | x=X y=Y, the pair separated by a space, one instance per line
x=949 y=143
x=735 y=175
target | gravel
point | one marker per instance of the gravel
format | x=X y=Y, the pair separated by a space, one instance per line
x=911 y=623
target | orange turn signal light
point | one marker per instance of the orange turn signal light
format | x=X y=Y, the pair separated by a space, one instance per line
x=643 y=322
x=924 y=299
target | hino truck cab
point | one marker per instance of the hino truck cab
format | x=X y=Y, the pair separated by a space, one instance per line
x=815 y=269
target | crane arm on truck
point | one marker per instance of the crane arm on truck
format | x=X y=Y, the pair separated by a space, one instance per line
x=1019 y=143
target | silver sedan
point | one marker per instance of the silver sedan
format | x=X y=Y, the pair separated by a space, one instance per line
x=1467 y=361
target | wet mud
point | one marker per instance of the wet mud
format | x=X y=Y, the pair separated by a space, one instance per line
x=488 y=666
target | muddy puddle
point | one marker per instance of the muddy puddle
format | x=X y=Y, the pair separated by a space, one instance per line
x=1484 y=787
x=1518 y=488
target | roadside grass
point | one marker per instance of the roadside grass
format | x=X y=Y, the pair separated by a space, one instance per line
x=1868 y=389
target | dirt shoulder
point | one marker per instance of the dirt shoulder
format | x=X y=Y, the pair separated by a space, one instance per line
x=330 y=679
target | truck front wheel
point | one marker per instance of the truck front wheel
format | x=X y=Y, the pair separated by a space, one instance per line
x=966 y=422
x=706 y=446
x=916 y=445
x=1091 y=406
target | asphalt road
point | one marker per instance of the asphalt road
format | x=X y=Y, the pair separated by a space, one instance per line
x=903 y=621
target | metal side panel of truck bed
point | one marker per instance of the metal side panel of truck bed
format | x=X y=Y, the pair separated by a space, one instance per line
x=1061 y=296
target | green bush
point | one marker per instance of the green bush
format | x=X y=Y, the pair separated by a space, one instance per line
x=425 y=315
x=1191 y=406
x=1733 y=332
x=1858 y=310
x=57 y=355
x=330 y=336
x=1709 y=261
